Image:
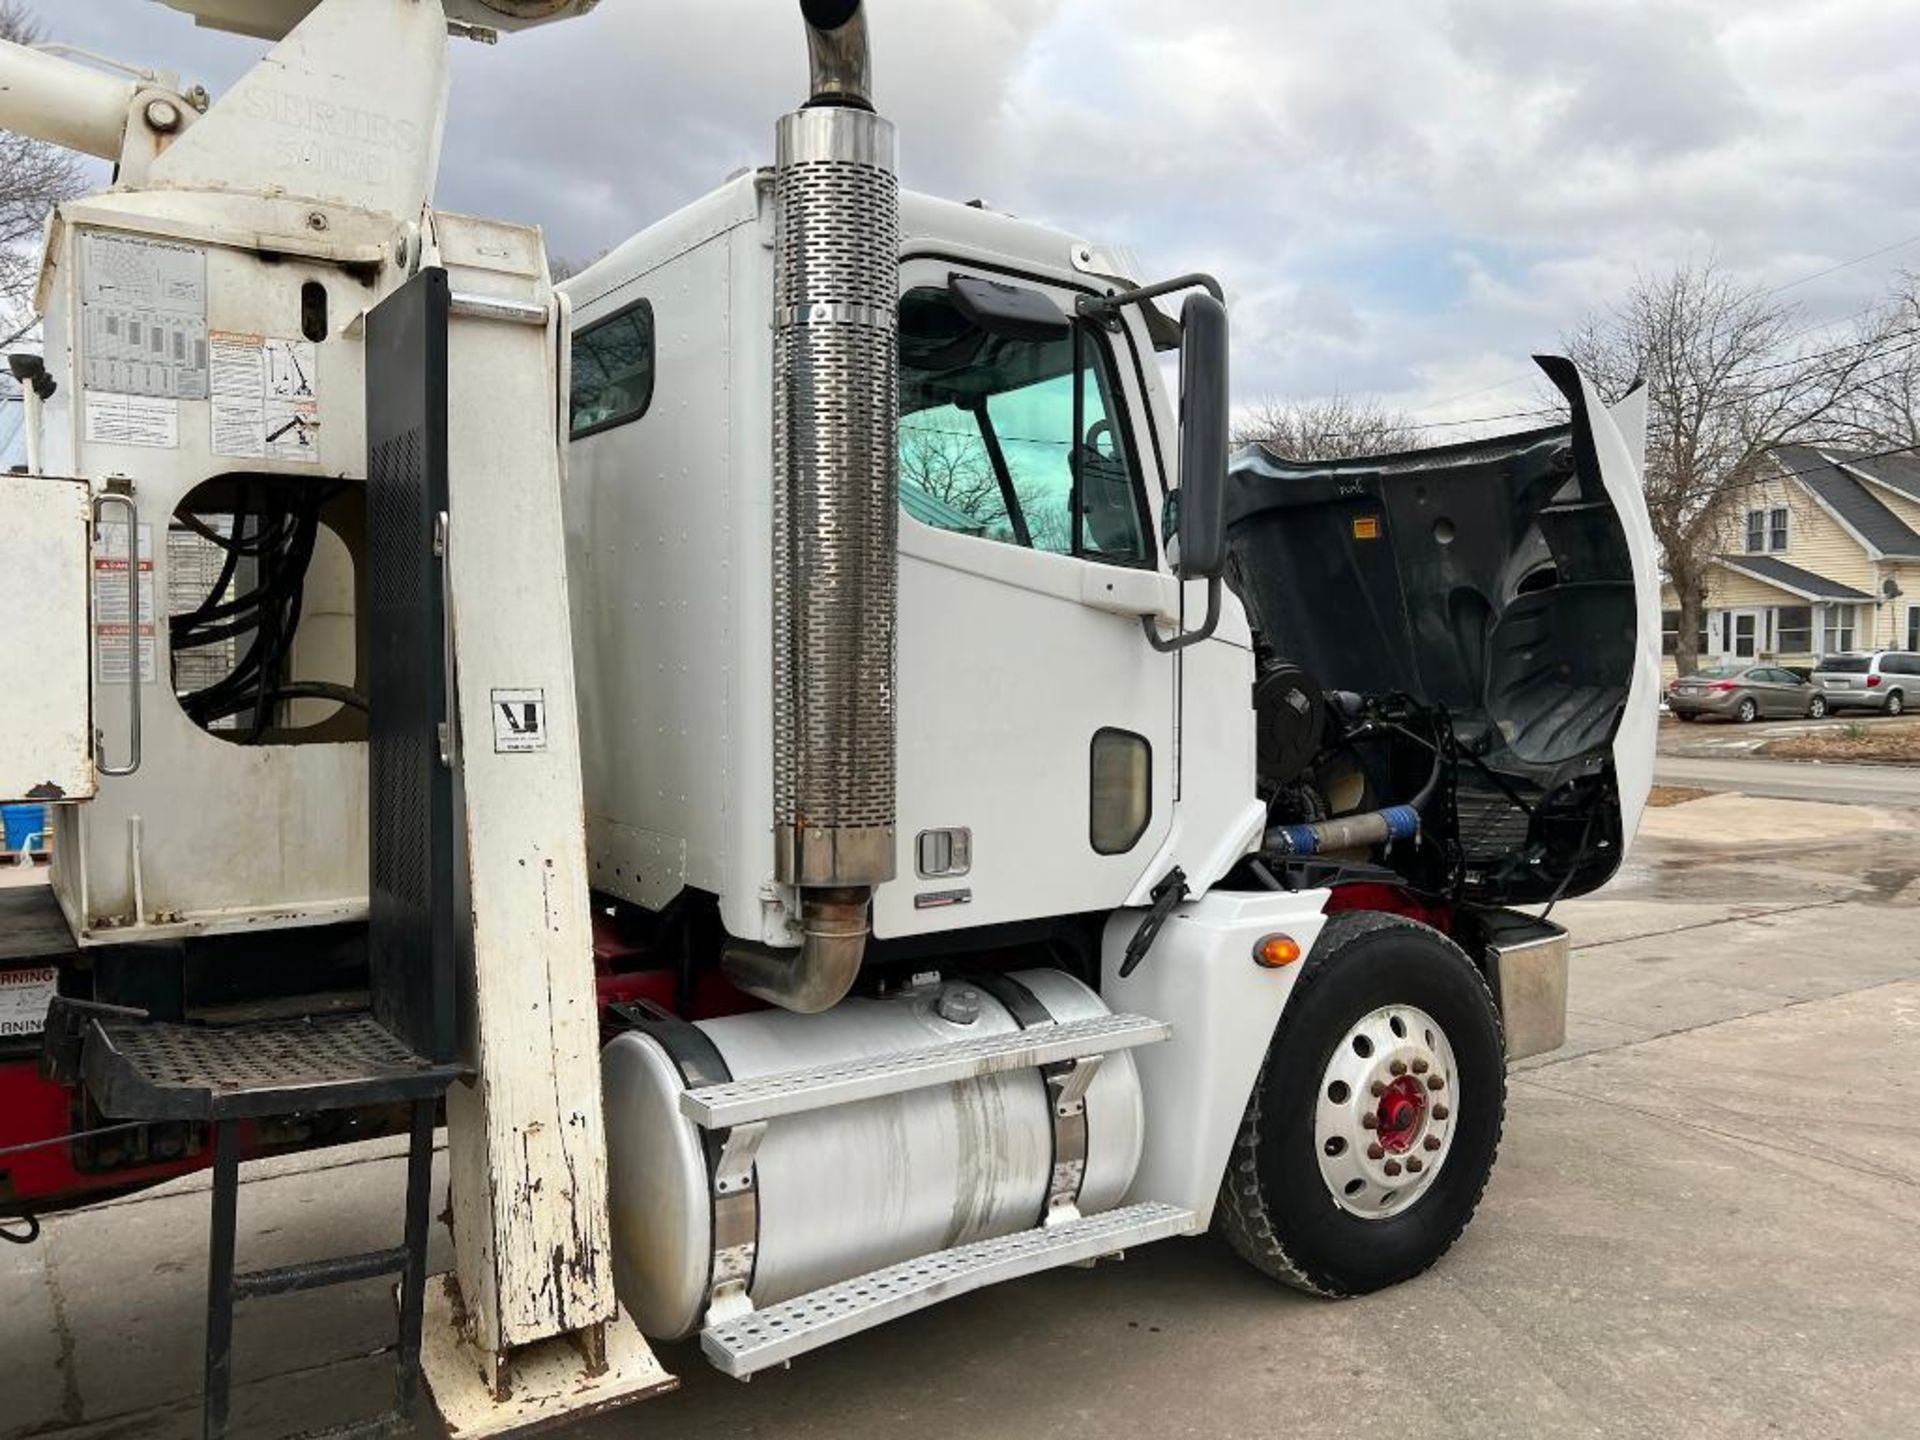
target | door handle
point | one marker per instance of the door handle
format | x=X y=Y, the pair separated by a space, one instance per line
x=1123 y=591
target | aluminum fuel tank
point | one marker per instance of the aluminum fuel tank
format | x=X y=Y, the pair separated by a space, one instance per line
x=846 y=1190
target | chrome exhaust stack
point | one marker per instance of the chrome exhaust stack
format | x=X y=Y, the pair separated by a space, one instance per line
x=835 y=507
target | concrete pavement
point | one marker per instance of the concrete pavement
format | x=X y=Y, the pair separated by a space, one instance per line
x=1703 y=1224
x=1795 y=779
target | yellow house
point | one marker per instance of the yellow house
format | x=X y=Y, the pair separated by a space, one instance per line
x=1824 y=557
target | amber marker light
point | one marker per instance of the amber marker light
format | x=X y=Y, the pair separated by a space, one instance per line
x=1274 y=951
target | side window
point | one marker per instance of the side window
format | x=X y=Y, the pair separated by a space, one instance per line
x=612 y=371
x=988 y=444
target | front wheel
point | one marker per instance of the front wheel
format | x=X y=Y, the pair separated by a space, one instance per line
x=1377 y=1114
x=1817 y=708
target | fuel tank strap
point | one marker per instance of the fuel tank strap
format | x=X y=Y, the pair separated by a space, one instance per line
x=1066 y=1082
x=696 y=1057
x=734 y=1183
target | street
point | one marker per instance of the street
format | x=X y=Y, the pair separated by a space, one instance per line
x=1795 y=779
x=1703 y=1223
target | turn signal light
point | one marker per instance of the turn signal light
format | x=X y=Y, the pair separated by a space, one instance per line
x=1275 y=951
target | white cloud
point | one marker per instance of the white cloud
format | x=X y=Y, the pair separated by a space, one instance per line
x=1405 y=197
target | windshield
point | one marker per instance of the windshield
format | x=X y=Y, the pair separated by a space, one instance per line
x=1847 y=664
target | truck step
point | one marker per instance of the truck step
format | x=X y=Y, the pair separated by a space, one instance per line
x=777 y=1334
x=740 y=1102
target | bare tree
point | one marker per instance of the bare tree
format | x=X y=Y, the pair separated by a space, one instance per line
x=34 y=177
x=1725 y=383
x=953 y=468
x=1883 y=411
x=1330 y=429
x=560 y=267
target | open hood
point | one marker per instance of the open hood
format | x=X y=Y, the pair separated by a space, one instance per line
x=1508 y=583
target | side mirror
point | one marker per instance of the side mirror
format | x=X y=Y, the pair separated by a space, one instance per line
x=1202 y=513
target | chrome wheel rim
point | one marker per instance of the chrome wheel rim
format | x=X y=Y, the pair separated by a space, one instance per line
x=1384 y=1117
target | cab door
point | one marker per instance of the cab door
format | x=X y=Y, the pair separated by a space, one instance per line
x=1035 y=773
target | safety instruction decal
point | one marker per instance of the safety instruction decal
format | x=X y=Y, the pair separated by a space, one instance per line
x=24 y=998
x=266 y=397
x=143 y=315
x=115 y=419
x=519 y=721
x=110 y=595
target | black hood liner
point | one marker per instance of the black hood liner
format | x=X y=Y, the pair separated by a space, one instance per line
x=1492 y=578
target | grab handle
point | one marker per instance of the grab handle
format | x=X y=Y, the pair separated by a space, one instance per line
x=100 y=764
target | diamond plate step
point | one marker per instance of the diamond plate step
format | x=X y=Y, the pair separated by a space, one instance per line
x=739 y=1102
x=777 y=1334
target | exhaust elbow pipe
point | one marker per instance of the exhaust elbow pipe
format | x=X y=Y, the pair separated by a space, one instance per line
x=818 y=975
x=840 y=64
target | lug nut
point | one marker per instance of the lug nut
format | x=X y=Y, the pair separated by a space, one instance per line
x=1439 y=1112
x=1393 y=1167
x=1398 y=1067
x=1419 y=1067
x=1379 y=1087
x=1434 y=1082
x=1374 y=1152
x=1370 y=1121
x=1432 y=1142
x=1416 y=1164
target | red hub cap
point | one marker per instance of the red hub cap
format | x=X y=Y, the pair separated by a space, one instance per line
x=1401 y=1109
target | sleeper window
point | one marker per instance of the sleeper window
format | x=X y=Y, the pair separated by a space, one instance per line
x=612 y=371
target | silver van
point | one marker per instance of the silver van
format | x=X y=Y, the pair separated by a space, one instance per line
x=1879 y=680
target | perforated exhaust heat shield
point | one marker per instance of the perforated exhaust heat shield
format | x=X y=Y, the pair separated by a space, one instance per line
x=835 y=496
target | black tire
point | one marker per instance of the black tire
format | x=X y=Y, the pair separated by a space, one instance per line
x=1896 y=703
x=1817 y=708
x=1685 y=717
x=1748 y=711
x=1275 y=1208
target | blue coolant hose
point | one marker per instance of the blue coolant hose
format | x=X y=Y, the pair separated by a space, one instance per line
x=1375 y=827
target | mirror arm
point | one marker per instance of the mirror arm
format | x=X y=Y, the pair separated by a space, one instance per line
x=1101 y=307
x=1191 y=637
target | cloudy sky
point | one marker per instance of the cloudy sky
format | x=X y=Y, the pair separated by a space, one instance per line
x=1404 y=197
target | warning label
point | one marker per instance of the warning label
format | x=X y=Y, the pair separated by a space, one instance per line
x=266 y=397
x=519 y=721
x=24 y=998
x=143 y=308
x=132 y=420
x=111 y=622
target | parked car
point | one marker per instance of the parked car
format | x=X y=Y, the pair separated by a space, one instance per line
x=1745 y=693
x=1876 y=680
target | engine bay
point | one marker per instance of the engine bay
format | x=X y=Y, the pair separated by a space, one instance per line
x=1444 y=645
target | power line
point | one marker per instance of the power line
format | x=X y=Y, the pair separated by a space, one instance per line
x=1775 y=290
x=1845 y=265
x=1732 y=376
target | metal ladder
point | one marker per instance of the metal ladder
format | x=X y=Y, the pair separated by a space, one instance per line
x=222 y=1076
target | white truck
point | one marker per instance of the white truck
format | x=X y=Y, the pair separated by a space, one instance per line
x=795 y=742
